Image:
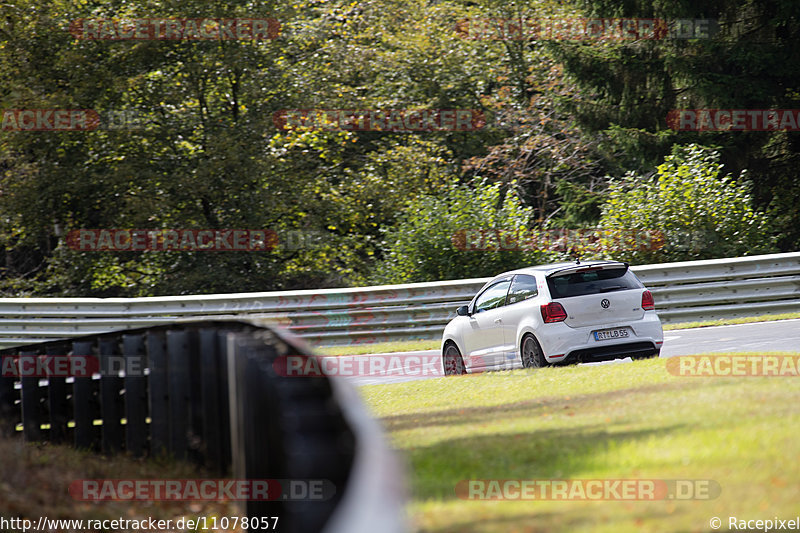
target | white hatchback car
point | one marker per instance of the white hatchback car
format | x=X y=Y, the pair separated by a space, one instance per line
x=559 y=313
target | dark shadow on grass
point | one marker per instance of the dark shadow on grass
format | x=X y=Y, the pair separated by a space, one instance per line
x=561 y=453
x=536 y=407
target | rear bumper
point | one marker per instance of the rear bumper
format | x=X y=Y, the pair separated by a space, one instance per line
x=607 y=353
x=562 y=343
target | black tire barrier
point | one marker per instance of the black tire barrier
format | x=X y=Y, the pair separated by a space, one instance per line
x=204 y=391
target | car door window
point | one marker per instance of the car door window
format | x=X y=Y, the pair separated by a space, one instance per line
x=493 y=297
x=522 y=288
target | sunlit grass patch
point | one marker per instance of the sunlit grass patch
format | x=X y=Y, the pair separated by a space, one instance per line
x=614 y=421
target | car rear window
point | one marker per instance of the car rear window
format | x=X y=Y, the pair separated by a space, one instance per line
x=592 y=282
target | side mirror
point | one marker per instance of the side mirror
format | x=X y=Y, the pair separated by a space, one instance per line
x=463 y=311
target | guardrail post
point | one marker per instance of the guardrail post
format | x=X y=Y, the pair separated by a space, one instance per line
x=195 y=431
x=58 y=405
x=85 y=404
x=8 y=397
x=213 y=376
x=110 y=397
x=178 y=383
x=158 y=392
x=135 y=394
x=32 y=401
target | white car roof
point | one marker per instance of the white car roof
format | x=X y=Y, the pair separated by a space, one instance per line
x=548 y=269
x=554 y=267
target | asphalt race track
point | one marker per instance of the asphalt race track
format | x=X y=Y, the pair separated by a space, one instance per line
x=779 y=336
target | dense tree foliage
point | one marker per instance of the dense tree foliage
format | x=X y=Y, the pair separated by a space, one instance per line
x=748 y=60
x=458 y=234
x=695 y=211
x=188 y=136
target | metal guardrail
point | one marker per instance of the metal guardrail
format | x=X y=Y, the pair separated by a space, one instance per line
x=211 y=392
x=724 y=288
x=685 y=291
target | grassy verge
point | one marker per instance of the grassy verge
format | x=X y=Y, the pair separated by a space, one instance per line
x=35 y=478
x=630 y=420
x=381 y=347
x=731 y=321
x=414 y=346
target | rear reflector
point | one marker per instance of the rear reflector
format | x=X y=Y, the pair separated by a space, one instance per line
x=553 y=312
x=647 y=301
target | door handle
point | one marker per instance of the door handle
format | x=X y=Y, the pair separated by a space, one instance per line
x=498 y=320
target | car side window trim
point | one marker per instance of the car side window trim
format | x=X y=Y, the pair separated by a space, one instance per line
x=530 y=290
x=487 y=289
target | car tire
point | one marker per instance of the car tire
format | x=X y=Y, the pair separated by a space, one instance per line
x=531 y=353
x=452 y=361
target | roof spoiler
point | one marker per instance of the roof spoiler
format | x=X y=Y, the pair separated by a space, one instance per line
x=577 y=268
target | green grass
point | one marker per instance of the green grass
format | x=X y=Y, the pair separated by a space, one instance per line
x=381 y=347
x=419 y=345
x=629 y=420
x=732 y=321
x=35 y=478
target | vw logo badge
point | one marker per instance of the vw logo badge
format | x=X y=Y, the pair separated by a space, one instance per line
x=605 y=304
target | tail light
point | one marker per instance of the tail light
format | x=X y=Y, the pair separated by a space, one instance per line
x=648 y=304
x=553 y=312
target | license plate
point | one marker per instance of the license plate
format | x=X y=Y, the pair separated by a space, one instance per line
x=608 y=334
